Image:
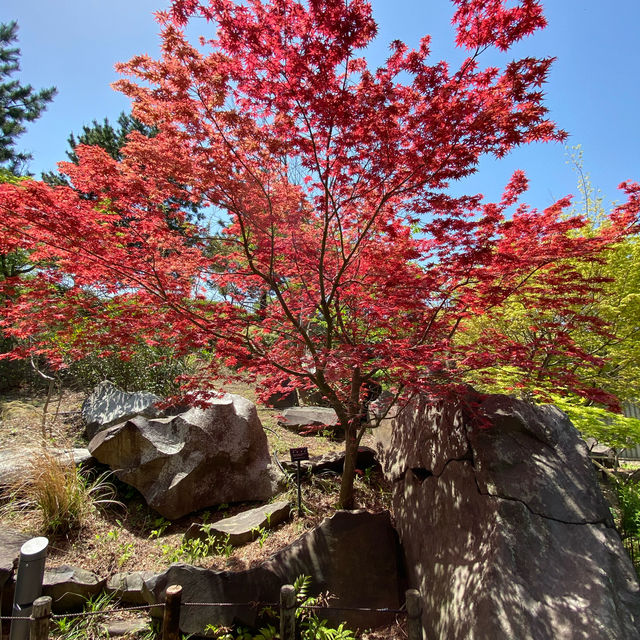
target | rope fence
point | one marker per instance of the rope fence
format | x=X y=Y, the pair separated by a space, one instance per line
x=41 y=616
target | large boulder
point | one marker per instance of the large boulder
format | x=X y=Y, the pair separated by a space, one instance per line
x=505 y=530
x=353 y=555
x=107 y=405
x=297 y=418
x=192 y=460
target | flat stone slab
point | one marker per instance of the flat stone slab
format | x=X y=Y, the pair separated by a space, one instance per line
x=298 y=417
x=70 y=587
x=243 y=527
x=10 y=543
x=120 y=628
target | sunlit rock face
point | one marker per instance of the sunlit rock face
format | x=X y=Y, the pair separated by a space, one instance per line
x=353 y=555
x=193 y=460
x=504 y=527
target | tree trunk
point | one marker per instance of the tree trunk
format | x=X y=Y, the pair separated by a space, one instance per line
x=346 y=500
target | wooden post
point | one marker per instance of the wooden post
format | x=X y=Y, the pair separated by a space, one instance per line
x=171 y=618
x=287 y=612
x=414 y=614
x=299 y=489
x=40 y=617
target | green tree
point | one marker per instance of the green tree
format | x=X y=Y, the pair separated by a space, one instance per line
x=616 y=303
x=102 y=134
x=112 y=139
x=18 y=103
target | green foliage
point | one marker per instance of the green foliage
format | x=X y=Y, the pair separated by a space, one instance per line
x=90 y=627
x=161 y=525
x=610 y=429
x=628 y=515
x=18 y=103
x=311 y=626
x=629 y=501
x=121 y=550
x=194 y=549
x=143 y=368
x=260 y=534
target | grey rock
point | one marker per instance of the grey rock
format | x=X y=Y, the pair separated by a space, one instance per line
x=10 y=544
x=107 y=405
x=283 y=400
x=118 y=628
x=298 y=417
x=354 y=555
x=504 y=528
x=70 y=587
x=243 y=527
x=334 y=461
x=193 y=460
x=129 y=587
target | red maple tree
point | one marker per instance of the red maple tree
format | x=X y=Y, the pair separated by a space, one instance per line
x=345 y=262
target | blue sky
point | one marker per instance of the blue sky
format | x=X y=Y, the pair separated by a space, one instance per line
x=593 y=92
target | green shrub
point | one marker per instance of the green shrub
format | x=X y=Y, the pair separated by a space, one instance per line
x=153 y=369
x=629 y=501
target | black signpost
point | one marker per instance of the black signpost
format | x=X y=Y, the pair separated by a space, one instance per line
x=297 y=455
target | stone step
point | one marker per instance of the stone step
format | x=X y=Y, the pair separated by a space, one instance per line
x=243 y=527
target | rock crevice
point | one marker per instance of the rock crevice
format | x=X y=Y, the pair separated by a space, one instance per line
x=505 y=530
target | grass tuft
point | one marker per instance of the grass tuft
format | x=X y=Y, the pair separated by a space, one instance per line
x=55 y=489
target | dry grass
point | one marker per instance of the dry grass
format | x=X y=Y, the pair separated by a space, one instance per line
x=122 y=539
x=22 y=413
x=135 y=538
x=53 y=495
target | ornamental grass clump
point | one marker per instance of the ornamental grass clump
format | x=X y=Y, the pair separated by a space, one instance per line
x=57 y=492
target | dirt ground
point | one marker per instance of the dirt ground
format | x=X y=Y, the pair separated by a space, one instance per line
x=132 y=537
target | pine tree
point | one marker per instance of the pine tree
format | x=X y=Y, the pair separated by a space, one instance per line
x=18 y=103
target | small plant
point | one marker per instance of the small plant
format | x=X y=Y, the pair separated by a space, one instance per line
x=224 y=547
x=219 y=632
x=55 y=488
x=260 y=534
x=195 y=549
x=311 y=626
x=89 y=627
x=121 y=551
x=161 y=526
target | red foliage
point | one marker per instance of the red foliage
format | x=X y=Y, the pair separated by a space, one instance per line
x=344 y=258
